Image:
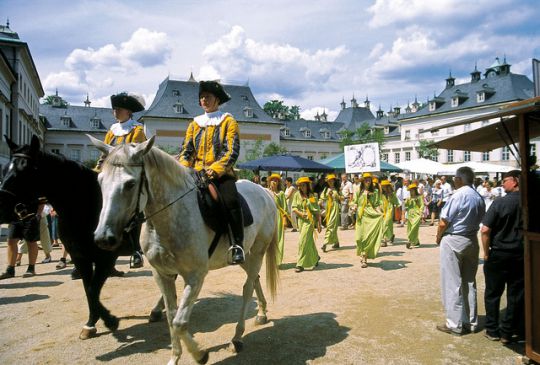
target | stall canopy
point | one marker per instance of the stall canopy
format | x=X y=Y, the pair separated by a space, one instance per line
x=478 y=168
x=422 y=166
x=497 y=134
x=284 y=163
x=338 y=163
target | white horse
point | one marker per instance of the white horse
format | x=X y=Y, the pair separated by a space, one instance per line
x=175 y=238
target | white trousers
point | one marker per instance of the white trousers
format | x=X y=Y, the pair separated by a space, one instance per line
x=459 y=264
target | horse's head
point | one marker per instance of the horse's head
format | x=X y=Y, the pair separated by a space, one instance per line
x=20 y=179
x=123 y=186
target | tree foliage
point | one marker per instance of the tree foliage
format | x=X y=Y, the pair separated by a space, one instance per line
x=362 y=135
x=49 y=99
x=278 y=110
x=424 y=151
x=273 y=149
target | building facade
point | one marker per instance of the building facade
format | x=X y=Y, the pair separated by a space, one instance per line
x=20 y=91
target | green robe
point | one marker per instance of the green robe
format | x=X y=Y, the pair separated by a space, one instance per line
x=415 y=208
x=331 y=198
x=281 y=203
x=307 y=252
x=388 y=210
x=369 y=223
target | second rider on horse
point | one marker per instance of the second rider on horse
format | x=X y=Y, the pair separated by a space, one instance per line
x=212 y=146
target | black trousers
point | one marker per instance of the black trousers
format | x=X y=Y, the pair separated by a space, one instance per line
x=227 y=189
x=500 y=270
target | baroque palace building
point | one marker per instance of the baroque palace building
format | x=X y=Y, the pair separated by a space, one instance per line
x=63 y=127
x=20 y=91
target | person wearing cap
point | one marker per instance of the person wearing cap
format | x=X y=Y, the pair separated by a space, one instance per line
x=369 y=220
x=389 y=201
x=289 y=194
x=331 y=200
x=211 y=146
x=306 y=207
x=415 y=209
x=126 y=130
x=503 y=246
x=274 y=187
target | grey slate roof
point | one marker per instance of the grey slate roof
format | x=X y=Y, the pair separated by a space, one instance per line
x=171 y=92
x=80 y=117
x=509 y=87
x=353 y=118
x=297 y=127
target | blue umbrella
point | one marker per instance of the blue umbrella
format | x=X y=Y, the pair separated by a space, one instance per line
x=284 y=163
x=338 y=163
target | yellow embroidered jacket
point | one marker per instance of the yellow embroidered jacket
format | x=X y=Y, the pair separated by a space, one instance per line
x=214 y=147
x=136 y=135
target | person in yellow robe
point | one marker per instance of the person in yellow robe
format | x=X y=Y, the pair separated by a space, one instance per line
x=330 y=199
x=415 y=208
x=389 y=201
x=274 y=187
x=369 y=220
x=126 y=130
x=306 y=207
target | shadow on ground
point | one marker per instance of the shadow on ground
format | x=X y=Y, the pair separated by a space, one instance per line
x=23 y=299
x=390 y=265
x=291 y=340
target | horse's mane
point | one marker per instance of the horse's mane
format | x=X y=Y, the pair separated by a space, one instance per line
x=168 y=167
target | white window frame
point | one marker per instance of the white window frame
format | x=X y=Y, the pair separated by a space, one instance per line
x=480 y=97
x=385 y=157
x=95 y=123
x=75 y=154
x=455 y=101
x=286 y=132
x=485 y=156
x=449 y=155
x=66 y=121
x=307 y=134
x=178 y=108
x=407 y=155
x=397 y=157
x=505 y=153
x=467 y=156
x=407 y=135
x=248 y=112
x=432 y=106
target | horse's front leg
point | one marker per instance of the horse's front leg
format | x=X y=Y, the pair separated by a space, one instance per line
x=167 y=286
x=86 y=270
x=102 y=271
x=192 y=288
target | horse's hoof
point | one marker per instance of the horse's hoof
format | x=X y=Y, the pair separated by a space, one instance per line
x=260 y=320
x=155 y=316
x=88 y=332
x=237 y=346
x=112 y=323
x=204 y=358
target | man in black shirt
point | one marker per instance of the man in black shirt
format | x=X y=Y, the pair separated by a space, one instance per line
x=502 y=241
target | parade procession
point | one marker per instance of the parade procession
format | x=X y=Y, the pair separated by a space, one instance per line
x=194 y=224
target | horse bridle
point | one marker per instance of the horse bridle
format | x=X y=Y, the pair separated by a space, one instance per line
x=138 y=216
x=20 y=209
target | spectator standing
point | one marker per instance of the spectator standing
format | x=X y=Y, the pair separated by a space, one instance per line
x=290 y=190
x=502 y=243
x=457 y=236
x=389 y=201
x=403 y=194
x=447 y=190
x=347 y=194
x=436 y=202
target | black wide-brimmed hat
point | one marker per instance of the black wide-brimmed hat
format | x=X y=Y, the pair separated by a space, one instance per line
x=215 y=88
x=130 y=101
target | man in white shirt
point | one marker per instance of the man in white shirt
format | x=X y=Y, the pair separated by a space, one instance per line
x=347 y=192
x=403 y=194
x=447 y=190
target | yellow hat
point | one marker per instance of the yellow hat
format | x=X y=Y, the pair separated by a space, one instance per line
x=330 y=177
x=412 y=186
x=375 y=179
x=303 y=179
x=386 y=183
x=274 y=177
x=366 y=174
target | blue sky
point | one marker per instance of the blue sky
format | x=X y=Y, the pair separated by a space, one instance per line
x=307 y=53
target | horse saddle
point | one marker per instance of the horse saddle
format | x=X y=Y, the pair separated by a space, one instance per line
x=212 y=208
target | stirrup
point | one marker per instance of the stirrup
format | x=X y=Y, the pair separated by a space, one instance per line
x=231 y=255
x=133 y=264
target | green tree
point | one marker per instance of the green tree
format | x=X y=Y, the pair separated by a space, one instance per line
x=294 y=112
x=363 y=134
x=49 y=99
x=276 y=109
x=346 y=138
x=273 y=149
x=171 y=150
x=425 y=151
x=254 y=150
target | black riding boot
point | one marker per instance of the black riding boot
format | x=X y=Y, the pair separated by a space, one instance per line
x=236 y=222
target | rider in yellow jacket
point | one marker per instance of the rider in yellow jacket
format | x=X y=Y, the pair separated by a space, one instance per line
x=212 y=145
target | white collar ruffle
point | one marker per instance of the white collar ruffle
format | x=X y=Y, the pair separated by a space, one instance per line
x=121 y=129
x=214 y=118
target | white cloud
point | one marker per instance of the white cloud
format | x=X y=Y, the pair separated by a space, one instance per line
x=270 y=66
x=387 y=12
x=309 y=114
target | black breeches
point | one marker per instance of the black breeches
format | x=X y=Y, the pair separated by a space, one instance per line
x=227 y=189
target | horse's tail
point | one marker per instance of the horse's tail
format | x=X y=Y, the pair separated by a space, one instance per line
x=272 y=265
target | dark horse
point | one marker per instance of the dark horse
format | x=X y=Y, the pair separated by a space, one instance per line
x=73 y=190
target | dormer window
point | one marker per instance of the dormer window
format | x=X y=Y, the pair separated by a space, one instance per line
x=178 y=107
x=176 y=92
x=286 y=132
x=325 y=133
x=455 y=101
x=244 y=97
x=386 y=130
x=435 y=103
x=65 y=121
x=248 y=112
x=432 y=106
x=480 y=97
x=95 y=123
x=307 y=133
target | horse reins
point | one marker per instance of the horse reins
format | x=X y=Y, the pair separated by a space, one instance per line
x=20 y=208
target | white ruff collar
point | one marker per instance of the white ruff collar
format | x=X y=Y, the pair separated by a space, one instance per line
x=214 y=118
x=121 y=129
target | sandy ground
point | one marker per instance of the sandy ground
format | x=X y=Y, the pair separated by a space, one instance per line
x=338 y=313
